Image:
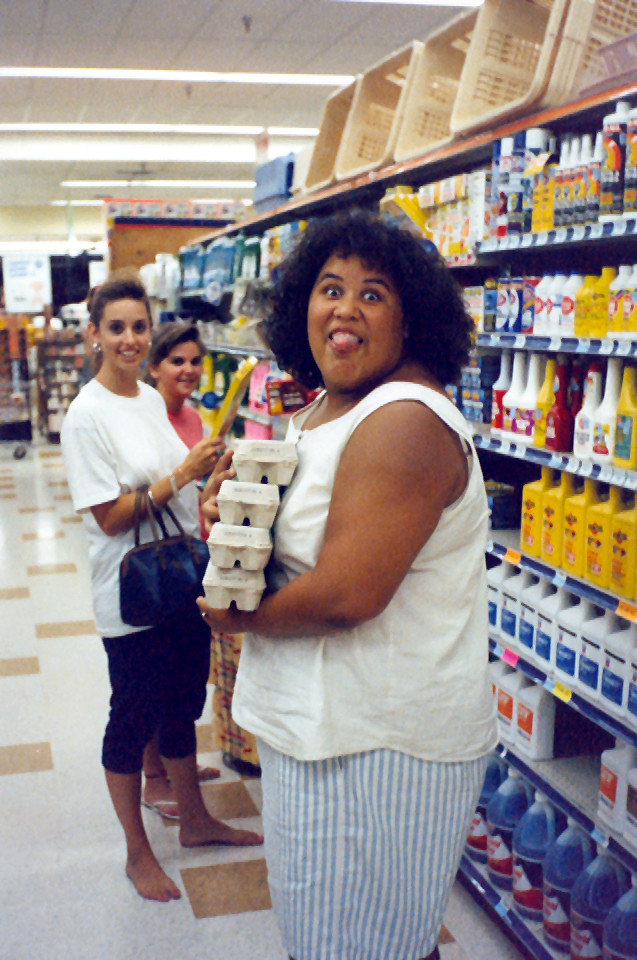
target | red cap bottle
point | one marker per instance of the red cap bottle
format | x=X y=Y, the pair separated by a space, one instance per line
x=559 y=419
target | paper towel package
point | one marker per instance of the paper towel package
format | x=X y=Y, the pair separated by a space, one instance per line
x=247 y=547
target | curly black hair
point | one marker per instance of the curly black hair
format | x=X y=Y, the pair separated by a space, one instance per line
x=437 y=324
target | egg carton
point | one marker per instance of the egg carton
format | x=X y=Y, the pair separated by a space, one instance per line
x=265 y=461
x=242 y=503
x=221 y=587
x=245 y=547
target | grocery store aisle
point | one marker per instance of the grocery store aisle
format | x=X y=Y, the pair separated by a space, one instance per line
x=63 y=893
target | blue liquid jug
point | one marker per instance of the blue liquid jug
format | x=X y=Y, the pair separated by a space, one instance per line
x=596 y=890
x=532 y=837
x=620 y=928
x=476 y=846
x=564 y=861
x=507 y=805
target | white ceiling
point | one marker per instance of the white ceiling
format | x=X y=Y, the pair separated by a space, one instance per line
x=282 y=36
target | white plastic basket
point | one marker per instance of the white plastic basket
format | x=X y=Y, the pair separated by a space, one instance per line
x=321 y=169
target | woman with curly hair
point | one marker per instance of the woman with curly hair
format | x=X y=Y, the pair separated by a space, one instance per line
x=364 y=671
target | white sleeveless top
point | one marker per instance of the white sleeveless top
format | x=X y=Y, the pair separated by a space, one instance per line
x=414 y=678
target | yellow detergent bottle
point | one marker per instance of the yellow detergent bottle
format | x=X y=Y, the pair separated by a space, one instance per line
x=545 y=400
x=600 y=296
x=531 y=525
x=206 y=388
x=599 y=526
x=574 y=529
x=624 y=547
x=553 y=501
x=582 y=306
x=625 y=449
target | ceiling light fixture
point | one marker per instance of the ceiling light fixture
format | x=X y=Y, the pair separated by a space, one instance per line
x=421 y=3
x=177 y=76
x=206 y=184
x=76 y=203
x=203 y=129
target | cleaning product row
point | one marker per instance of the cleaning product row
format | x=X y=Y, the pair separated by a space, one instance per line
x=617 y=804
x=240 y=544
x=589 y=409
x=525 y=710
x=582 y=896
x=586 y=527
x=590 y=650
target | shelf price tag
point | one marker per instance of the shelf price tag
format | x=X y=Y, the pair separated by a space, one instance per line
x=596 y=231
x=599 y=837
x=542 y=238
x=512 y=556
x=626 y=610
x=501 y=908
x=623 y=348
x=583 y=345
x=560 y=235
x=562 y=692
x=606 y=474
x=579 y=232
x=504 y=243
x=548 y=684
x=555 y=343
x=509 y=657
x=587 y=468
x=497 y=649
x=527 y=240
x=559 y=579
x=520 y=341
x=619 y=228
x=514 y=241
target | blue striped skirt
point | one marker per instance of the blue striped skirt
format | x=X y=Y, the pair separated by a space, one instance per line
x=362 y=850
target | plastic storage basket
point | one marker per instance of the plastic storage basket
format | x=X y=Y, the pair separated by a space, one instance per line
x=509 y=64
x=372 y=126
x=321 y=171
x=590 y=24
x=432 y=93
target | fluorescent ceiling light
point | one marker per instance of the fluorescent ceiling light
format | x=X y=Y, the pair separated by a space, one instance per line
x=203 y=129
x=51 y=246
x=178 y=76
x=423 y=3
x=158 y=183
x=76 y=203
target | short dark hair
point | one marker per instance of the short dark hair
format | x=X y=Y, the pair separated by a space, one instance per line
x=122 y=285
x=438 y=328
x=166 y=337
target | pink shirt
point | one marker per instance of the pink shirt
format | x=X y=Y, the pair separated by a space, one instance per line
x=189 y=428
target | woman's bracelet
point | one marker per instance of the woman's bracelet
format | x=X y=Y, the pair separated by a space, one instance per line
x=152 y=499
x=173 y=485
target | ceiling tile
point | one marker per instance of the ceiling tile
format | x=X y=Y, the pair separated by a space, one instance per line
x=77 y=18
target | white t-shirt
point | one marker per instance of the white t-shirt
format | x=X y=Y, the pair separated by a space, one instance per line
x=414 y=678
x=112 y=445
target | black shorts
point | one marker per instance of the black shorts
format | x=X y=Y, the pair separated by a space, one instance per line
x=158 y=681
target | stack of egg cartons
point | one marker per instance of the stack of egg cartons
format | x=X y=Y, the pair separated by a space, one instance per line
x=240 y=543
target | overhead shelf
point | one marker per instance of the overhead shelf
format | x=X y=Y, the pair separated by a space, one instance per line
x=588 y=346
x=580 y=234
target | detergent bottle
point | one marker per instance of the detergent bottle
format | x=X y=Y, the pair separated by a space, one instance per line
x=582 y=306
x=625 y=448
x=511 y=399
x=631 y=703
x=605 y=416
x=506 y=807
x=620 y=928
x=553 y=307
x=599 y=526
x=531 y=525
x=553 y=501
x=630 y=831
x=512 y=588
x=629 y=321
x=613 y=784
x=476 y=845
x=623 y=536
x=565 y=859
x=529 y=399
x=583 y=427
x=498 y=390
x=616 y=299
x=615 y=125
x=600 y=296
x=596 y=890
x=530 y=599
x=559 y=419
x=545 y=400
x=546 y=635
x=570 y=624
x=535 y=734
x=569 y=292
x=495 y=577
x=590 y=661
x=541 y=294
x=615 y=672
x=532 y=836
x=507 y=704
x=574 y=527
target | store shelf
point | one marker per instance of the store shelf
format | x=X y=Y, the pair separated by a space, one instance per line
x=611 y=724
x=589 y=346
x=505 y=546
x=591 y=233
x=559 y=461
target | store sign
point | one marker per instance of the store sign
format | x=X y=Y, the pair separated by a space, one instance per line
x=27 y=282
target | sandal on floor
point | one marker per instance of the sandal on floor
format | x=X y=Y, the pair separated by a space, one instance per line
x=204 y=774
x=163 y=807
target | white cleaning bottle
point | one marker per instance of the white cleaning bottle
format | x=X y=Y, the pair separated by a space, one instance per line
x=605 y=415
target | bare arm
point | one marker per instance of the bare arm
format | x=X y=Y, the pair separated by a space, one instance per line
x=117 y=515
x=400 y=469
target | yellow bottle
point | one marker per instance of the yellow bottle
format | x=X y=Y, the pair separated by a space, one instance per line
x=531 y=526
x=600 y=295
x=625 y=450
x=206 y=388
x=545 y=400
x=574 y=529
x=553 y=501
x=599 y=526
x=582 y=306
x=624 y=548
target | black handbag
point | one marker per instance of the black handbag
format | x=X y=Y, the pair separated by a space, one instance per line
x=159 y=579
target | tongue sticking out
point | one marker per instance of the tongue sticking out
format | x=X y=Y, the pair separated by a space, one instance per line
x=344 y=342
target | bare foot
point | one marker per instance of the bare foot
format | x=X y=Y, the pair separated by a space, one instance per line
x=149 y=879
x=159 y=796
x=217 y=832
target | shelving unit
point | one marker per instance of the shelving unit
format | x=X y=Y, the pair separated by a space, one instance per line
x=60 y=362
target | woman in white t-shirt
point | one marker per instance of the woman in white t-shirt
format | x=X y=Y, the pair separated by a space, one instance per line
x=116 y=438
x=364 y=671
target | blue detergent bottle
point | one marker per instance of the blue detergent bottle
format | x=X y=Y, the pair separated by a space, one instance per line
x=476 y=845
x=532 y=837
x=620 y=928
x=506 y=807
x=595 y=892
x=565 y=859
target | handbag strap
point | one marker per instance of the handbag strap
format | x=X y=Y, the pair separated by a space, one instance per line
x=139 y=496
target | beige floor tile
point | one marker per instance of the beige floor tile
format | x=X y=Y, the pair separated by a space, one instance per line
x=73 y=519
x=444 y=936
x=6 y=484
x=229 y=801
x=49 y=454
x=216 y=891
x=14 y=593
x=8 y=496
x=44 y=535
x=35 y=509
x=71 y=628
x=19 y=666
x=204 y=738
x=62 y=496
x=58 y=483
x=46 y=568
x=25 y=758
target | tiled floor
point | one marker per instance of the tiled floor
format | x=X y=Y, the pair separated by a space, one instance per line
x=63 y=893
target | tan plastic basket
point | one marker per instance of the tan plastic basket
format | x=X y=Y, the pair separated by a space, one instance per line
x=508 y=67
x=321 y=172
x=432 y=93
x=372 y=125
x=590 y=24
